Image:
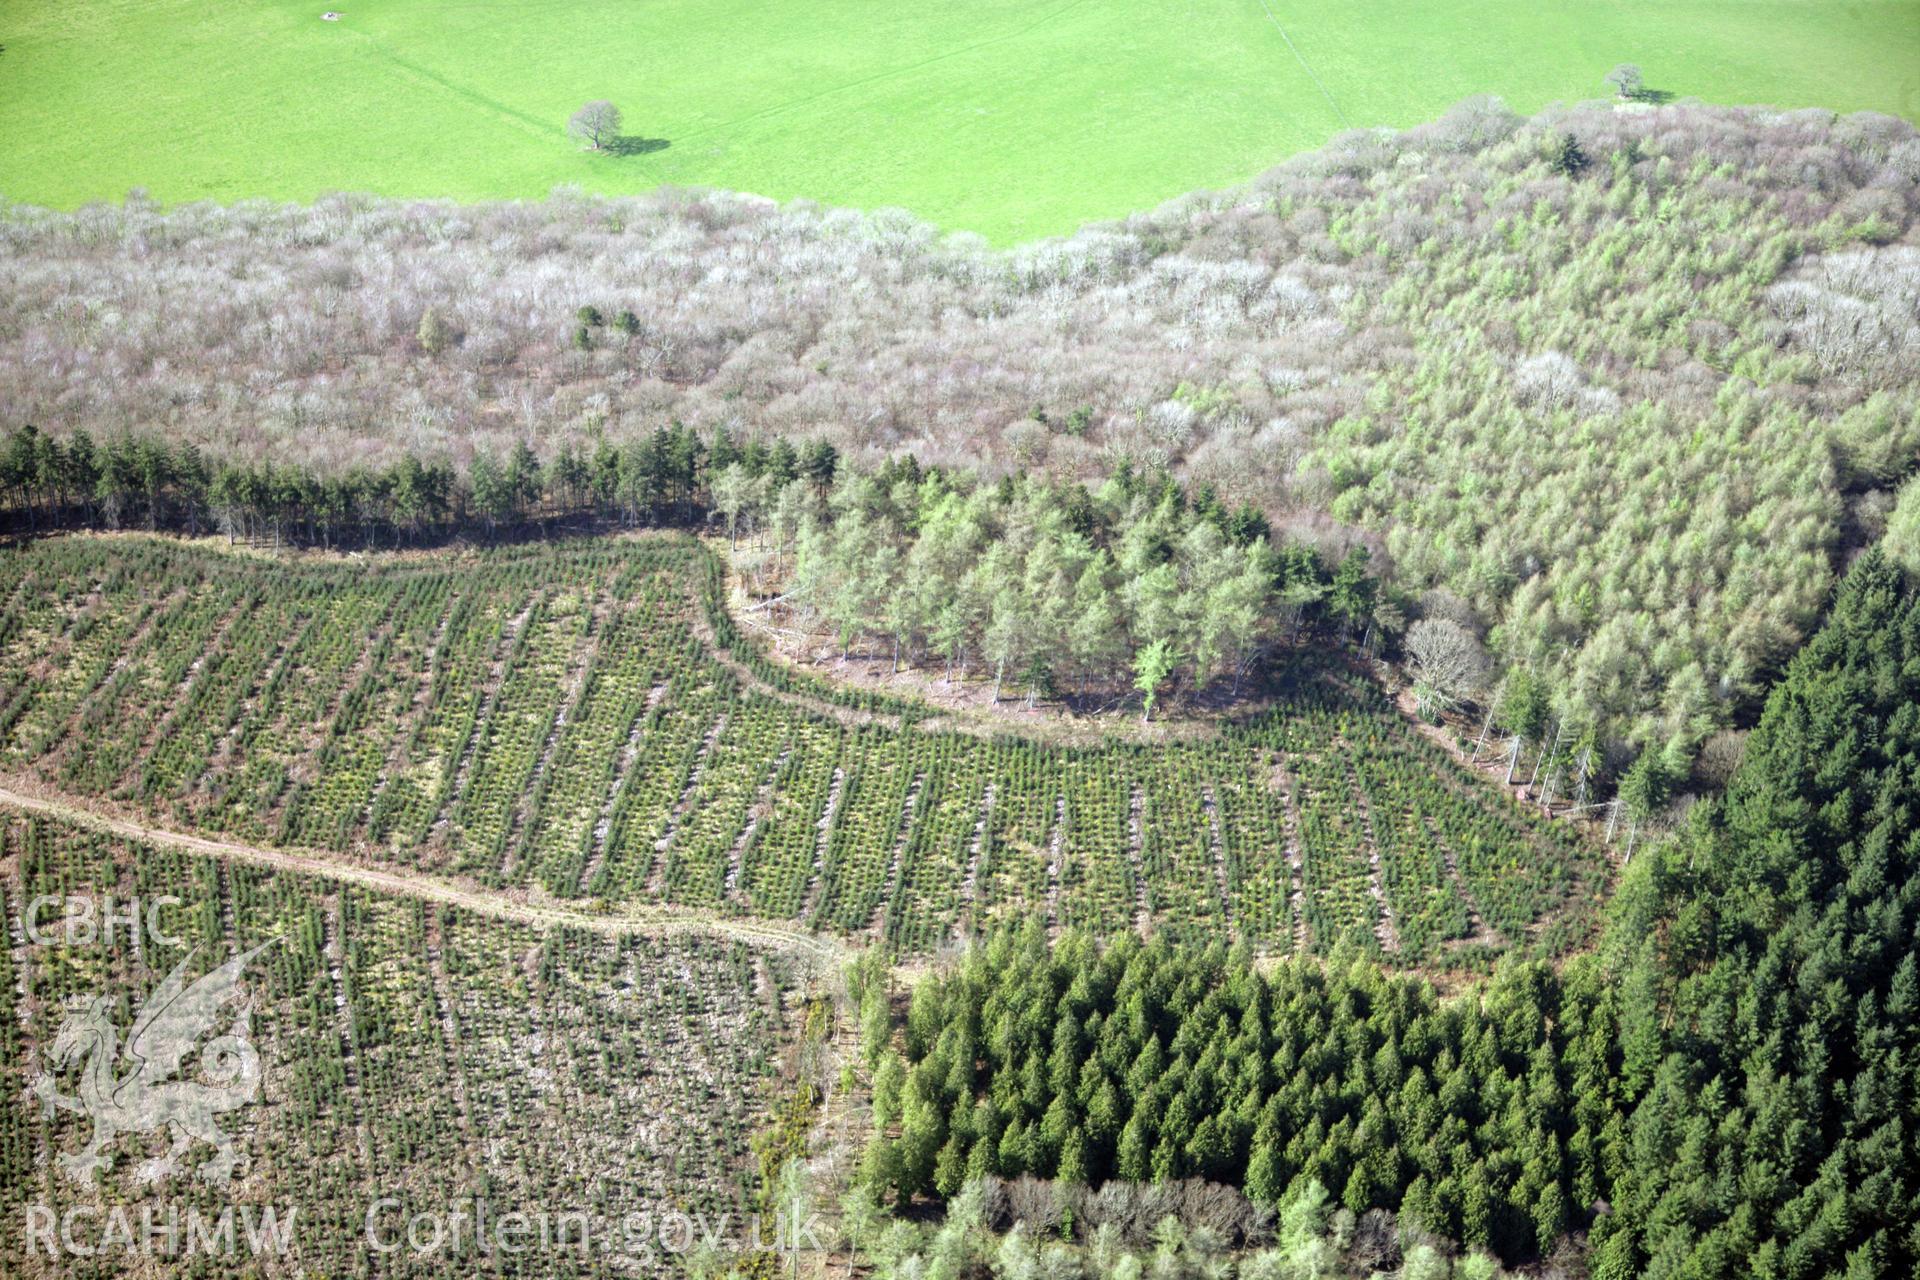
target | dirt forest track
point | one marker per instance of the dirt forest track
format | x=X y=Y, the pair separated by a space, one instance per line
x=521 y=907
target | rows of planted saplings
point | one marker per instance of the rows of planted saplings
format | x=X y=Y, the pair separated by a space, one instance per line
x=1098 y=837
x=551 y=717
x=18 y=1130
x=326 y=806
x=1450 y=856
x=1399 y=843
x=65 y=627
x=1015 y=864
x=407 y=1050
x=628 y=1075
x=296 y=1139
x=123 y=723
x=312 y=703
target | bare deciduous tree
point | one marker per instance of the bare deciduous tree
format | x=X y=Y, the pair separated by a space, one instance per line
x=1449 y=664
x=1854 y=312
x=597 y=124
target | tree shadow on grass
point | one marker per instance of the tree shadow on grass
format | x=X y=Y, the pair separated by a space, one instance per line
x=635 y=146
x=1653 y=97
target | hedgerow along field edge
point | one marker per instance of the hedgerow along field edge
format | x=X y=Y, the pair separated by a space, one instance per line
x=1010 y=120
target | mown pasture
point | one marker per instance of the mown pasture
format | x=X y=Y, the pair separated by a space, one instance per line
x=1011 y=120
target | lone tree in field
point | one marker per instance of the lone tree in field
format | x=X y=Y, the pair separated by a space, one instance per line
x=1627 y=81
x=597 y=124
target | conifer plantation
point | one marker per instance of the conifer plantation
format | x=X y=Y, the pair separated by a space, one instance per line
x=1723 y=1088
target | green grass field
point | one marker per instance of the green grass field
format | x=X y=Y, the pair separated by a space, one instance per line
x=1013 y=120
